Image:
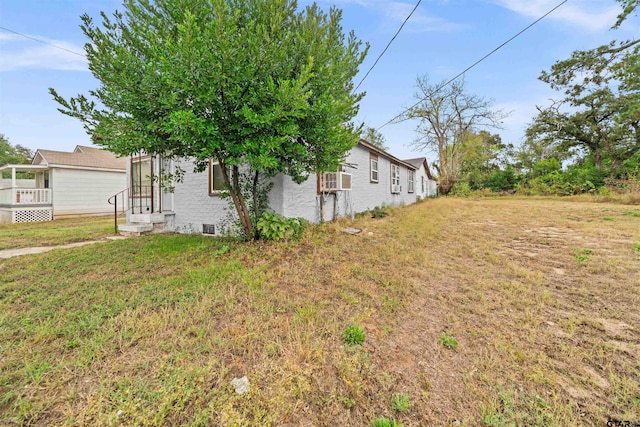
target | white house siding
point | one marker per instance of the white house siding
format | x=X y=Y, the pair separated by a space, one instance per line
x=78 y=191
x=193 y=206
x=303 y=200
x=430 y=186
x=367 y=195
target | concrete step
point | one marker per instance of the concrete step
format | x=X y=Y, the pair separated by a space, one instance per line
x=135 y=229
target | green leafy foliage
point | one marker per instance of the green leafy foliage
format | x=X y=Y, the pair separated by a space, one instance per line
x=251 y=83
x=374 y=137
x=448 y=341
x=461 y=189
x=273 y=226
x=353 y=334
x=400 y=402
x=10 y=154
x=385 y=422
x=583 y=255
x=502 y=180
x=596 y=116
x=379 y=212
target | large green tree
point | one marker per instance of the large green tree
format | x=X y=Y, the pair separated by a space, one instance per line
x=10 y=154
x=250 y=83
x=598 y=115
x=448 y=115
x=481 y=154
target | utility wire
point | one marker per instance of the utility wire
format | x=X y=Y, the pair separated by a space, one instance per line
x=388 y=44
x=475 y=63
x=41 y=41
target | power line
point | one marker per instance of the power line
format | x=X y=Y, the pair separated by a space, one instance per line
x=475 y=63
x=41 y=41
x=388 y=44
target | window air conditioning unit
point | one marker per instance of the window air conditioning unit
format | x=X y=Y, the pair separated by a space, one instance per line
x=335 y=181
x=396 y=188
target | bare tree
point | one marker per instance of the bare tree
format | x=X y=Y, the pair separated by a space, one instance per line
x=447 y=113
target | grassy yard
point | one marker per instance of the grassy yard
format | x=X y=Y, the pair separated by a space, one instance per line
x=475 y=312
x=58 y=232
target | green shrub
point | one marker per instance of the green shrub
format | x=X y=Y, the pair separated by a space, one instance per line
x=604 y=191
x=461 y=189
x=384 y=422
x=379 y=212
x=400 y=402
x=353 y=334
x=273 y=226
x=546 y=167
x=502 y=180
x=448 y=341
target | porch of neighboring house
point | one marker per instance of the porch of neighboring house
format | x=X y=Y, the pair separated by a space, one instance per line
x=25 y=194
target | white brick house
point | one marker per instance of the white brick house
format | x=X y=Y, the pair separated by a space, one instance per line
x=195 y=206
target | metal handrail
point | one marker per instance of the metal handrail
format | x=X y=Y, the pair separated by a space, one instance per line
x=113 y=200
x=138 y=199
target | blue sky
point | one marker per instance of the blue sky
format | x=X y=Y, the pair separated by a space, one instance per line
x=442 y=38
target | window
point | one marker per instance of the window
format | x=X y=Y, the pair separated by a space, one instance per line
x=422 y=184
x=395 y=178
x=216 y=181
x=330 y=180
x=373 y=166
x=141 y=177
x=411 y=177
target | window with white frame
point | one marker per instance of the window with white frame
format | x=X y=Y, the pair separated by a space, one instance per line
x=411 y=178
x=216 y=181
x=373 y=166
x=330 y=180
x=422 y=184
x=395 y=178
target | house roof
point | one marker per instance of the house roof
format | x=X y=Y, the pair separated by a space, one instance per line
x=82 y=157
x=381 y=152
x=421 y=161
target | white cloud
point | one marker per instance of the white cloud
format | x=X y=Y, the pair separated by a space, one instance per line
x=420 y=21
x=21 y=53
x=396 y=12
x=591 y=15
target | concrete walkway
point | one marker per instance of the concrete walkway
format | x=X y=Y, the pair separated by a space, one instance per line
x=10 y=253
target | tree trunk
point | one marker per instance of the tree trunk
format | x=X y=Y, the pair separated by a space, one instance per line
x=446 y=184
x=237 y=198
x=256 y=201
x=254 y=194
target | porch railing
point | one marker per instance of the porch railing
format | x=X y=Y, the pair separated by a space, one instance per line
x=137 y=200
x=25 y=196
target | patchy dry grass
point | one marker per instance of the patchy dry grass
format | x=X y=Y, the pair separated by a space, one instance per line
x=58 y=232
x=151 y=331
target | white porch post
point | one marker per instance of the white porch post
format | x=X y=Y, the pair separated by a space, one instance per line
x=13 y=177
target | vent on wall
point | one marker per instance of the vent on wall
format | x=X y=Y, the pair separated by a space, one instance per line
x=208 y=229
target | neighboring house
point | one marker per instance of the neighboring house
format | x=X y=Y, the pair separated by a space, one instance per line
x=426 y=185
x=64 y=183
x=368 y=177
